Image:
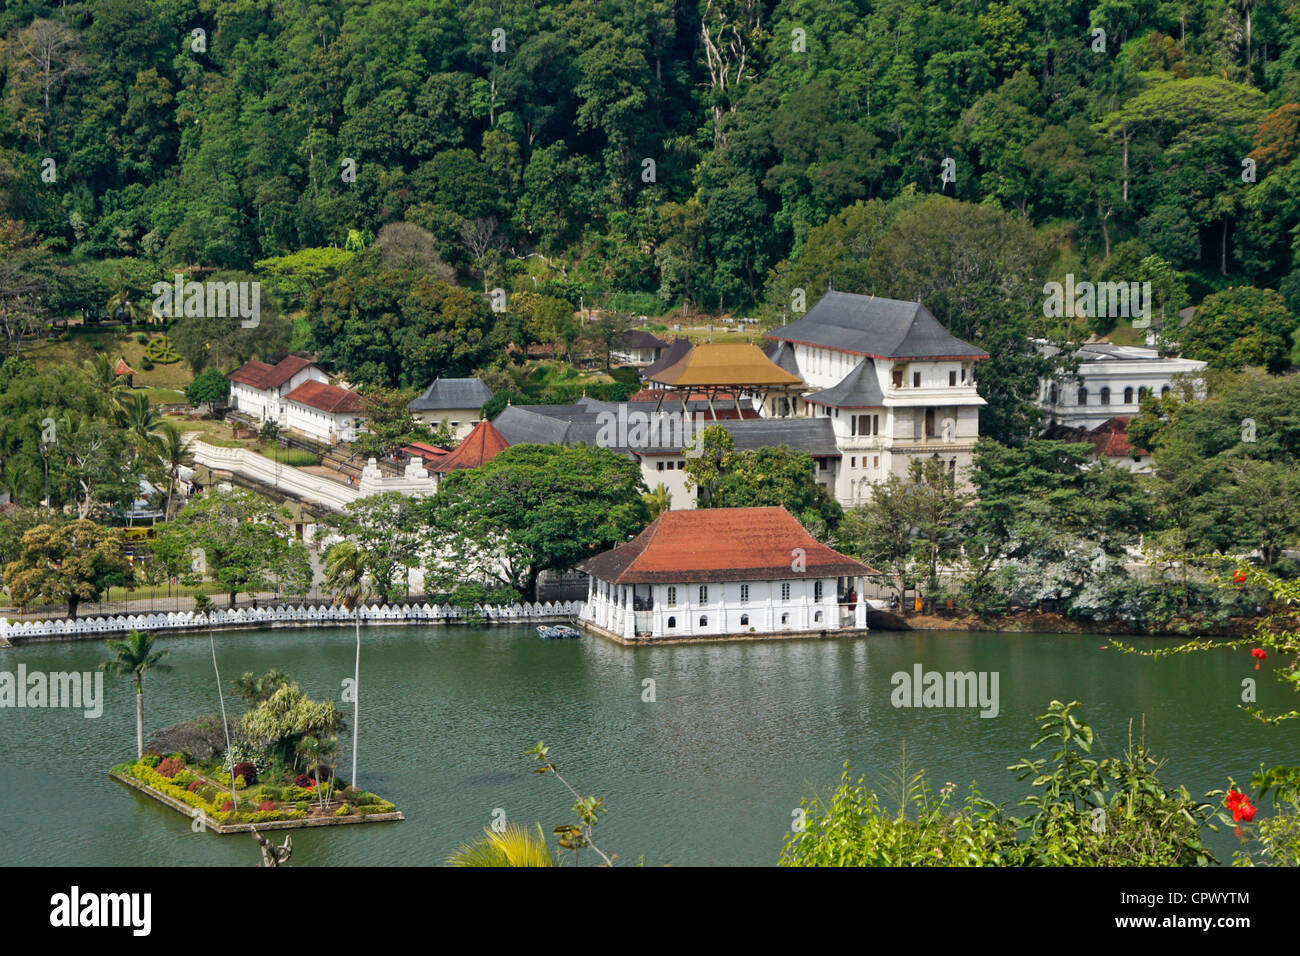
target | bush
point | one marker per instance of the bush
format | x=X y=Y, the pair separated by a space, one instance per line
x=304 y=781
x=171 y=766
x=343 y=811
x=194 y=787
x=142 y=338
x=146 y=364
x=247 y=771
x=266 y=805
x=151 y=760
x=228 y=806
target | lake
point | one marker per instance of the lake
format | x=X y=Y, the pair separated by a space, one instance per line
x=709 y=772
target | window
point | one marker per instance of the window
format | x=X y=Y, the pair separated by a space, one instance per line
x=1105 y=396
x=744 y=592
x=817 y=591
x=661 y=465
x=744 y=620
x=1143 y=392
x=1164 y=391
x=898 y=378
x=785 y=591
x=916 y=379
x=952 y=379
x=704 y=594
x=875 y=461
x=704 y=620
x=785 y=618
x=1052 y=395
x=823 y=464
x=818 y=617
x=672 y=622
x=1083 y=396
x=1128 y=396
x=853 y=463
x=672 y=596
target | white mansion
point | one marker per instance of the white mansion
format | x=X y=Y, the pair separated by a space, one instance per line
x=1111 y=382
x=723 y=571
x=895 y=384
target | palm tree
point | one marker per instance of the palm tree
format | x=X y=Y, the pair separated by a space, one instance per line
x=658 y=501
x=101 y=371
x=135 y=658
x=514 y=846
x=345 y=579
x=142 y=419
x=172 y=447
x=121 y=299
x=316 y=751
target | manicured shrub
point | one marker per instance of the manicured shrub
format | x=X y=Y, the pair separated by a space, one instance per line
x=228 y=806
x=194 y=787
x=151 y=760
x=304 y=781
x=266 y=805
x=171 y=766
x=301 y=805
x=248 y=771
x=343 y=811
x=240 y=783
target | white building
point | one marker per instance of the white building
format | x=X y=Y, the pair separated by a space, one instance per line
x=325 y=413
x=1111 y=382
x=457 y=401
x=259 y=390
x=723 y=572
x=892 y=380
x=637 y=347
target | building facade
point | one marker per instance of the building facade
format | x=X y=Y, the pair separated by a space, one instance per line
x=323 y=413
x=1111 y=381
x=724 y=572
x=457 y=401
x=895 y=385
x=259 y=390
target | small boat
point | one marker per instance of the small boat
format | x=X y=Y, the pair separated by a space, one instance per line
x=556 y=632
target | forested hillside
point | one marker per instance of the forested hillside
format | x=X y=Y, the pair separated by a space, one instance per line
x=706 y=154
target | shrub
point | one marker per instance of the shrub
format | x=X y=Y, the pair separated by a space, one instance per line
x=151 y=760
x=301 y=806
x=240 y=783
x=194 y=787
x=248 y=771
x=142 y=338
x=266 y=805
x=343 y=811
x=304 y=781
x=170 y=766
x=184 y=778
x=146 y=364
x=228 y=806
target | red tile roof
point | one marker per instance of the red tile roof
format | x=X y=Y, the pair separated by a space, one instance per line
x=1110 y=438
x=418 y=449
x=479 y=447
x=259 y=375
x=326 y=398
x=721 y=544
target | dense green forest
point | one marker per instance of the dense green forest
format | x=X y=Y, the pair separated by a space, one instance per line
x=712 y=155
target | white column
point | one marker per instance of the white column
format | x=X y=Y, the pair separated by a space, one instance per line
x=860 y=612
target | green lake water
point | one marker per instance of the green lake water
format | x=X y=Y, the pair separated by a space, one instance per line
x=707 y=773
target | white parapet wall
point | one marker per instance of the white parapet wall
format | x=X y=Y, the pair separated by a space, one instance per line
x=82 y=628
x=304 y=485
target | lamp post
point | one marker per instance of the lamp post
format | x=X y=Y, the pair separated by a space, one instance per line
x=45 y=457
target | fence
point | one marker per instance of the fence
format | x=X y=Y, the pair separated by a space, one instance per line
x=96 y=627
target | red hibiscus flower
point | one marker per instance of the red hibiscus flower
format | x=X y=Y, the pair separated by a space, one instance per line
x=1239 y=577
x=1259 y=654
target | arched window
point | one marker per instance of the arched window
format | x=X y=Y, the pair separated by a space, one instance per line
x=1128 y=395
x=1083 y=396
x=672 y=622
x=1052 y=395
x=704 y=620
x=1164 y=391
x=744 y=620
x=818 y=617
x=785 y=618
x=1105 y=396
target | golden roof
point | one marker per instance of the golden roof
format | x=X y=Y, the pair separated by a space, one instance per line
x=733 y=364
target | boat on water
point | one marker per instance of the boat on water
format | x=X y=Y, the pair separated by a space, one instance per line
x=556 y=632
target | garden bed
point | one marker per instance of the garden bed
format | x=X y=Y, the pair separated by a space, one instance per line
x=197 y=792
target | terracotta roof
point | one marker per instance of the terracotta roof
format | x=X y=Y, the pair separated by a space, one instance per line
x=1110 y=438
x=326 y=398
x=479 y=447
x=727 y=364
x=721 y=544
x=262 y=376
x=123 y=369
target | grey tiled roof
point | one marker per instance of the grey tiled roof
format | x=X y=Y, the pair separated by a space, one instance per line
x=782 y=355
x=859 y=389
x=882 y=328
x=452 y=393
x=669 y=357
x=580 y=424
